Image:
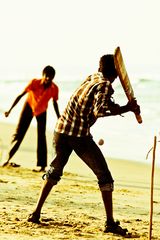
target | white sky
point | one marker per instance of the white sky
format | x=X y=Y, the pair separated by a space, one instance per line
x=72 y=34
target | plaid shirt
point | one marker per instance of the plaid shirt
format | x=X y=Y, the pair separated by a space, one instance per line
x=89 y=102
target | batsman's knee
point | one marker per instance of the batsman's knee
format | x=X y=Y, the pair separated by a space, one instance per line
x=52 y=176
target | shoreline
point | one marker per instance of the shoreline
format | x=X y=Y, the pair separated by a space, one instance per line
x=27 y=150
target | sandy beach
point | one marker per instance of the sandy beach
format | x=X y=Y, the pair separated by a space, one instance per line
x=74 y=209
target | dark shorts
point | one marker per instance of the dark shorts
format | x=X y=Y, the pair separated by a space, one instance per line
x=88 y=151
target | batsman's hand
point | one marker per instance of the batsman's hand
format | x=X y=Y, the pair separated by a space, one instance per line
x=133 y=106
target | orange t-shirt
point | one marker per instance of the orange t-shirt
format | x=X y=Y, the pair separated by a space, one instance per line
x=38 y=96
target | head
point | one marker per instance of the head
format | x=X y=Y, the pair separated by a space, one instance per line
x=48 y=74
x=107 y=67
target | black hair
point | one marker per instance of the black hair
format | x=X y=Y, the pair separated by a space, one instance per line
x=107 y=67
x=49 y=71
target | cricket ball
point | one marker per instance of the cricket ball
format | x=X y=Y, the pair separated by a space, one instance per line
x=101 y=142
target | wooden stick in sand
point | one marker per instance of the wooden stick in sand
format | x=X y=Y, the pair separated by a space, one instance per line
x=152 y=186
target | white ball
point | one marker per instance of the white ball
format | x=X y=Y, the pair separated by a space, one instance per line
x=101 y=142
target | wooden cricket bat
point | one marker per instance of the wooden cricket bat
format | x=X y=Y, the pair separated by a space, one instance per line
x=124 y=79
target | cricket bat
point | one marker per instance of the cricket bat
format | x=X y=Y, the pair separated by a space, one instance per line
x=124 y=79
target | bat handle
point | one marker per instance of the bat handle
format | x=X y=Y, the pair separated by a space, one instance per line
x=139 y=118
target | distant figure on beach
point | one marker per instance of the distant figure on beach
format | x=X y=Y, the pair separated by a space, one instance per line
x=40 y=91
x=93 y=99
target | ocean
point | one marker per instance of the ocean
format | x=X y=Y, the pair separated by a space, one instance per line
x=124 y=137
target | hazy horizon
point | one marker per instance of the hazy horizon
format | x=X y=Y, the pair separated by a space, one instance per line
x=72 y=35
